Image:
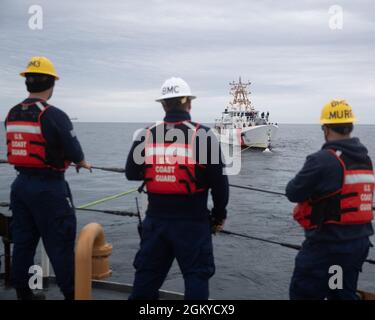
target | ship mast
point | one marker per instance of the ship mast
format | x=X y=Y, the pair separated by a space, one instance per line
x=240 y=93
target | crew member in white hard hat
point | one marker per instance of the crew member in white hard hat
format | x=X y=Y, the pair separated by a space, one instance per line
x=178 y=223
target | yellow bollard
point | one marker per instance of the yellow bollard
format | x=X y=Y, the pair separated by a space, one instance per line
x=91 y=259
x=363 y=295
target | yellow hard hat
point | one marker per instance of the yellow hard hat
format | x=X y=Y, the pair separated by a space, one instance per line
x=336 y=112
x=40 y=65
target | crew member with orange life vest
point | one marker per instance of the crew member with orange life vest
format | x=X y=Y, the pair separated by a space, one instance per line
x=41 y=145
x=179 y=162
x=334 y=191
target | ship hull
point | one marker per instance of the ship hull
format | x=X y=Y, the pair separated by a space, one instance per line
x=260 y=136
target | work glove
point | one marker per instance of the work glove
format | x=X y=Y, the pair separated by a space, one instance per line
x=217 y=225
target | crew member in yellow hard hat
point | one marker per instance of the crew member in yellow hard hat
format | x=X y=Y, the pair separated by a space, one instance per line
x=334 y=191
x=41 y=145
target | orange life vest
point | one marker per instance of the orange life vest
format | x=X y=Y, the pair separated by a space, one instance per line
x=351 y=204
x=170 y=168
x=25 y=142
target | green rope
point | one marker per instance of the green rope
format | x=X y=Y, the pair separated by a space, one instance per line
x=109 y=198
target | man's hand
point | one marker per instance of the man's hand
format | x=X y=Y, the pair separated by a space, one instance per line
x=217 y=225
x=83 y=164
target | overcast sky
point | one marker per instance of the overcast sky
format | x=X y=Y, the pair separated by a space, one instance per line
x=112 y=56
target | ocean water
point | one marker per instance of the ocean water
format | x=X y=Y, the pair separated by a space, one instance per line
x=245 y=269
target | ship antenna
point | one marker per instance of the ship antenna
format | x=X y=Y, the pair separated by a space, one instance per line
x=240 y=93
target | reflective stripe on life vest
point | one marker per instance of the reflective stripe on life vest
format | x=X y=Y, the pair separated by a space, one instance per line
x=168 y=150
x=19 y=128
x=359 y=178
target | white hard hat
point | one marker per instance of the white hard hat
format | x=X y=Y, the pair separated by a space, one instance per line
x=173 y=88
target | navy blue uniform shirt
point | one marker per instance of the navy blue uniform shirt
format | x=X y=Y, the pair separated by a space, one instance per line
x=190 y=206
x=322 y=174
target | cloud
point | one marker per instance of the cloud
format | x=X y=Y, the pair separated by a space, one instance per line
x=113 y=56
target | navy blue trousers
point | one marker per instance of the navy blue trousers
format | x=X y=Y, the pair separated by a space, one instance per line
x=42 y=208
x=163 y=240
x=310 y=280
